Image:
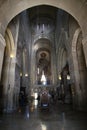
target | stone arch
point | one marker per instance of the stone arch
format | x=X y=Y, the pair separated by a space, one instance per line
x=74 y=55
x=38 y=44
x=18 y=6
x=63 y=51
x=79 y=66
x=9 y=41
x=43 y=62
x=8 y=69
x=47 y=46
x=11 y=38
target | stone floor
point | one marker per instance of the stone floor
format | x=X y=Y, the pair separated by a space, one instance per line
x=58 y=117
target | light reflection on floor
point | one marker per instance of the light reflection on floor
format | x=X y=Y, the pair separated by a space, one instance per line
x=59 y=117
x=35 y=103
x=43 y=127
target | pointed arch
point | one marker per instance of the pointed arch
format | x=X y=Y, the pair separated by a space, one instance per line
x=10 y=45
x=16 y=7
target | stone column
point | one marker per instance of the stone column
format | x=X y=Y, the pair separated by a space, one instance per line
x=2 y=47
x=54 y=67
x=84 y=42
x=5 y=78
x=11 y=81
x=78 y=73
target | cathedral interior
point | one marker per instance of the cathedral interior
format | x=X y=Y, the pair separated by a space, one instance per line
x=43 y=48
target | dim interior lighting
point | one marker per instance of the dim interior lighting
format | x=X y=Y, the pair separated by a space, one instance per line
x=35 y=95
x=11 y=55
x=39 y=37
x=26 y=75
x=38 y=70
x=35 y=103
x=21 y=74
x=43 y=78
x=43 y=126
x=59 y=77
x=68 y=77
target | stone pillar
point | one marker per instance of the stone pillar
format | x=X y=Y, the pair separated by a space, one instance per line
x=2 y=47
x=5 y=78
x=11 y=82
x=65 y=81
x=54 y=67
x=84 y=42
x=77 y=69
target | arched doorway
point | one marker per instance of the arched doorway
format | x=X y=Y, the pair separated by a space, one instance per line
x=34 y=69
